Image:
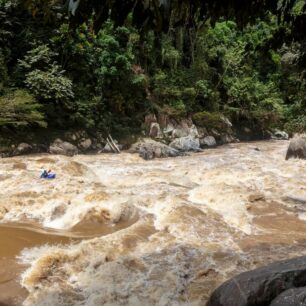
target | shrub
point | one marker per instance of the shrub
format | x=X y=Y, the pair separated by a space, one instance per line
x=209 y=120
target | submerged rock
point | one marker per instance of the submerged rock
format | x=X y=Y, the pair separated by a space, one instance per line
x=297 y=148
x=262 y=286
x=63 y=148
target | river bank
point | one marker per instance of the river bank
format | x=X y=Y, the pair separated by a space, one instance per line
x=190 y=222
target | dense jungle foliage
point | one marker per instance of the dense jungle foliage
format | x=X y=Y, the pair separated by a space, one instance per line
x=102 y=67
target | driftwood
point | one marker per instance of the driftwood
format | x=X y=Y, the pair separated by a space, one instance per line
x=112 y=144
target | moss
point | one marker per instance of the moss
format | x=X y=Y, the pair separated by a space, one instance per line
x=209 y=120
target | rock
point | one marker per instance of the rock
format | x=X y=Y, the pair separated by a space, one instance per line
x=297 y=148
x=202 y=132
x=148 y=152
x=86 y=144
x=23 y=148
x=106 y=149
x=155 y=131
x=150 y=149
x=227 y=139
x=186 y=144
x=280 y=135
x=226 y=121
x=63 y=148
x=163 y=120
x=291 y=297
x=149 y=119
x=185 y=128
x=180 y=132
x=208 y=142
x=261 y=286
x=168 y=129
x=193 y=131
x=215 y=133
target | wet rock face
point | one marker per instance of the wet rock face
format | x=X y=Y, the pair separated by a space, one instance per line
x=291 y=297
x=265 y=286
x=297 y=148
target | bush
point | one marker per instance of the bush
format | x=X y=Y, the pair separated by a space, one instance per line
x=209 y=120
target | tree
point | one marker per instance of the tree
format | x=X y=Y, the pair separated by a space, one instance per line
x=19 y=108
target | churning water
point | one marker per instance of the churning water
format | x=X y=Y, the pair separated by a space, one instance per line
x=118 y=230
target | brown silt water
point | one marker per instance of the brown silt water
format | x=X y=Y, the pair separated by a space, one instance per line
x=115 y=229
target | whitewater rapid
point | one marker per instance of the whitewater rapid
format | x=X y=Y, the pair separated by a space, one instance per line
x=161 y=232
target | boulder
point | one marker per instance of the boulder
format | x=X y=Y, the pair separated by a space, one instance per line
x=168 y=129
x=227 y=139
x=23 y=148
x=208 y=142
x=261 y=286
x=297 y=148
x=163 y=120
x=185 y=128
x=280 y=135
x=226 y=121
x=186 y=144
x=149 y=119
x=85 y=144
x=157 y=150
x=150 y=149
x=63 y=148
x=202 y=132
x=291 y=297
x=108 y=149
x=215 y=133
x=155 y=131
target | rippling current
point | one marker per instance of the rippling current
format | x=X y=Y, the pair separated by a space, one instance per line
x=118 y=230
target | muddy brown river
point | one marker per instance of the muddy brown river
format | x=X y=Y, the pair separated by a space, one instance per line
x=118 y=230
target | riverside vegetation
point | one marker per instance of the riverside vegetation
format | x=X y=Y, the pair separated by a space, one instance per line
x=102 y=67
